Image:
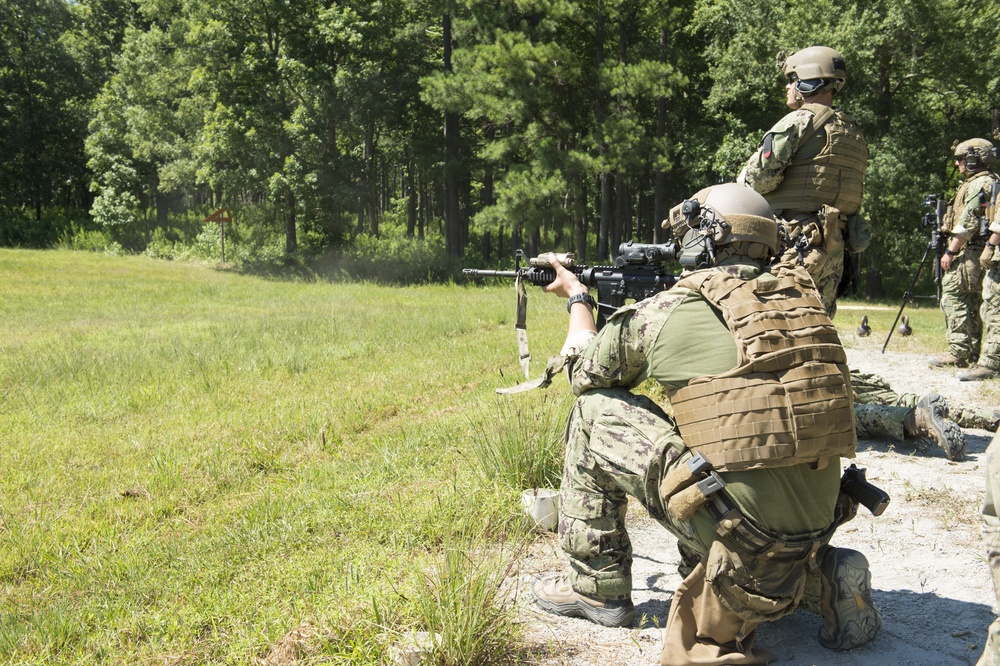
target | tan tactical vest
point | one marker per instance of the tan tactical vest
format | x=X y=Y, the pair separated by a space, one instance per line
x=957 y=204
x=827 y=169
x=789 y=401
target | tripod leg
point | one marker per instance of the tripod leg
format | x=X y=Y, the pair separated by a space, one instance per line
x=908 y=295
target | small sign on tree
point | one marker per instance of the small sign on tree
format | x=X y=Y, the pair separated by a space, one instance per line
x=222 y=216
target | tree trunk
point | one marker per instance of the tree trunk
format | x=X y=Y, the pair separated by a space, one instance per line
x=452 y=167
x=580 y=217
x=599 y=115
x=368 y=190
x=291 y=238
x=411 y=201
x=623 y=231
x=660 y=179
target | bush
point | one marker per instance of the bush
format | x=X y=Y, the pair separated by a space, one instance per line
x=88 y=240
x=389 y=260
x=19 y=228
x=520 y=442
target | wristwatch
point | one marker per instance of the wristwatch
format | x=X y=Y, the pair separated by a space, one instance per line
x=580 y=298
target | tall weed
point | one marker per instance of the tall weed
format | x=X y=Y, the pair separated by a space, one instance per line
x=464 y=607
x=519 y=439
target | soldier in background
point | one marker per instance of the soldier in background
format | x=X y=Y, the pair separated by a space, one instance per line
x=962 y=280
x=988 y=366
x=811 y=167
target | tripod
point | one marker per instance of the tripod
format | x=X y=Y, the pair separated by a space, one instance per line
x=933 y=246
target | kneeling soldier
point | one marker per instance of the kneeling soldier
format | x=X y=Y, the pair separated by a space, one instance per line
x=746 y=473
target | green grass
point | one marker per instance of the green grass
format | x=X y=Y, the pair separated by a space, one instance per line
x=195 y=463
x=200 y=467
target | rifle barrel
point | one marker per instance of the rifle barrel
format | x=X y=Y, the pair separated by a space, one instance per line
x=477 y=272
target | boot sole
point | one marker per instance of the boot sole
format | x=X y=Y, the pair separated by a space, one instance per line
x=607 y=617
x=858 y=621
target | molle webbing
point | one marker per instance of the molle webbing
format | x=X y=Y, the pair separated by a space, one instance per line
x=828 y=167
x=788 y=402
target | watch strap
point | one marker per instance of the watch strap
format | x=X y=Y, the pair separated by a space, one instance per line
x=581 y=298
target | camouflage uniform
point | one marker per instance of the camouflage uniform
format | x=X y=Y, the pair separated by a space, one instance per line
x=962 y=285
x=871 y=391
x=621 y=444
x=990 y=309
x=828 y=165
x=991 y=529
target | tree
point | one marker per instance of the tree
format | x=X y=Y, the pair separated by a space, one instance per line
x=42 y=115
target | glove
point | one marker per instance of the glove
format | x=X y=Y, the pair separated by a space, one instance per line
x=986 y=258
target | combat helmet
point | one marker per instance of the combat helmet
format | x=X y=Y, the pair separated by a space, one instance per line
x=815 y=69
x=723 y=219
x=975 y=154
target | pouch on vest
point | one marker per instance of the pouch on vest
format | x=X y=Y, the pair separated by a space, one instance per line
x=948 y=219
x=859 y=233
x=832 y=227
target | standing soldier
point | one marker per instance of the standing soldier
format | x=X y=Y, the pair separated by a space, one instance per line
x=989 y=361
x=962 y=281
x=811 y=168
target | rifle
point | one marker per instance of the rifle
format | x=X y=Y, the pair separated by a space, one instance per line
x=937 y=244
x=637 y=274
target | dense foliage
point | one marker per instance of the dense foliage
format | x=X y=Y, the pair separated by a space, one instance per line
x=482 y=124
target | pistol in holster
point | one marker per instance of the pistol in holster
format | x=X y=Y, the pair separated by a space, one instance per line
x=854 y=484
x=688 y=487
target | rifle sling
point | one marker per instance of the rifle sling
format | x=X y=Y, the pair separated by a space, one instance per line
x=521 y=327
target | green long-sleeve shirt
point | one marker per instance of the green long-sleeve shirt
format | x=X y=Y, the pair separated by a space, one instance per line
x=674 y=337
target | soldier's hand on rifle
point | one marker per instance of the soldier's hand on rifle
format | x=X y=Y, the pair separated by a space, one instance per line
x=566 y=283
x=581 y=312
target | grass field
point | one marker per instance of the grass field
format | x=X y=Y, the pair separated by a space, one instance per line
x=201 y=467
x=195 y=463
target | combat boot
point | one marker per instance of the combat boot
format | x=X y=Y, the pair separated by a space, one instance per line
x=555 y=595
x=930 y=419
x=849 y=615
x=978 y=374
x=948 y=360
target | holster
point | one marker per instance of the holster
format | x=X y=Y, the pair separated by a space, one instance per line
x=687 y=487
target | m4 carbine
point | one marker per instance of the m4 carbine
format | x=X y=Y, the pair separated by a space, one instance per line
x=637 y=273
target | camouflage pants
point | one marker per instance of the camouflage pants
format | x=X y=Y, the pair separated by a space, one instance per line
x=871 y=389
x=991 y=529
x=961 y=299
x=880 y=421
x=824 y=261
x=990 y=313
x=617 y=444
x=829 y=279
